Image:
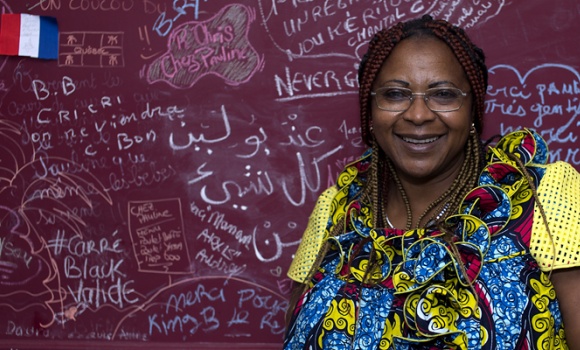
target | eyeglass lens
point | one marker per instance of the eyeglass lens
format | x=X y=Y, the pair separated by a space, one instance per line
x=400 y=99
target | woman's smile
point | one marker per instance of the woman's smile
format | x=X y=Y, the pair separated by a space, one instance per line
x=419 y=140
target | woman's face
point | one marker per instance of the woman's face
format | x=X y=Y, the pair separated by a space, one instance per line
x=422 y=144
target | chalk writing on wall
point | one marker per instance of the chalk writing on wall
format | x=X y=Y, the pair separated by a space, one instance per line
x=155 y=179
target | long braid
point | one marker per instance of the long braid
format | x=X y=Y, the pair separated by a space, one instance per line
x=403 y=194
x=374 y=190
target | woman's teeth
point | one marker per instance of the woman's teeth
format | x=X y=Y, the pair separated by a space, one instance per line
x=417 y=141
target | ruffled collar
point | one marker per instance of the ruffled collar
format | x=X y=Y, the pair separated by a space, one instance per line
x=440 y=269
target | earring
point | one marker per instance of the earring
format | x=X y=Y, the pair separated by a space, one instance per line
x=472 y=131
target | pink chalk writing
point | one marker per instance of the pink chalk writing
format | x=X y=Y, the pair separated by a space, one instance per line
x=217 y=46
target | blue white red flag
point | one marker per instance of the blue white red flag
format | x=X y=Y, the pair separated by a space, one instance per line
x=29 y=35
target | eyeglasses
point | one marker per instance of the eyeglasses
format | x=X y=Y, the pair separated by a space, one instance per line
x=397 y=99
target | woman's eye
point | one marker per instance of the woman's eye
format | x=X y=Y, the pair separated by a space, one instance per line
x=444 y=94
x=395 y=94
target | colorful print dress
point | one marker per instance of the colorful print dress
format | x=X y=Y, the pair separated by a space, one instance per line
x=481 y=287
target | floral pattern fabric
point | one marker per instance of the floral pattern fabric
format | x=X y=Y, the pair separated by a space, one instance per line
x=476 y=288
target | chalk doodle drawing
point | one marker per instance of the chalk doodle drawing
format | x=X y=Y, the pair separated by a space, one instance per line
x=91 y=49
x=38 y=191
x=218 y=46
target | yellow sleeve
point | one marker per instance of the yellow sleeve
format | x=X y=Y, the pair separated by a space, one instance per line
x=313 y=238
x=559 y=194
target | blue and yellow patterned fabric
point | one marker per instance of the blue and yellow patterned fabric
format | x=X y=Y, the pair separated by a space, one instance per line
x=478 y=286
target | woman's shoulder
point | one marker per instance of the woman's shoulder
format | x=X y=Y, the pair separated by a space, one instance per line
x=557 y=245
x=329 y=208
x=555 y=242
x=314 y=236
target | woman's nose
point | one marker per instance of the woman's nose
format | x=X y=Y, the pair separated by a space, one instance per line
x=418 y=112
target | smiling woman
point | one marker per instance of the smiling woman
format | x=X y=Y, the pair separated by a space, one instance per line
x=425 y=147
x=425 y=242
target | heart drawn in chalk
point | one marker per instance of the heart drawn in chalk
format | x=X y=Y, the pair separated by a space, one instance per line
x=276 y=272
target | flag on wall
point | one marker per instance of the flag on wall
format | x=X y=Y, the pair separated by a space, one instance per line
x=29 y=35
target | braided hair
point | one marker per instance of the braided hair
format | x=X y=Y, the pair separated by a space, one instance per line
x=472 y=60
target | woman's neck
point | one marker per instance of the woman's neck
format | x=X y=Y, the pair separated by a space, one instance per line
x=417 y=196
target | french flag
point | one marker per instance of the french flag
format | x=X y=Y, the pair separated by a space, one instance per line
x=29 y=35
